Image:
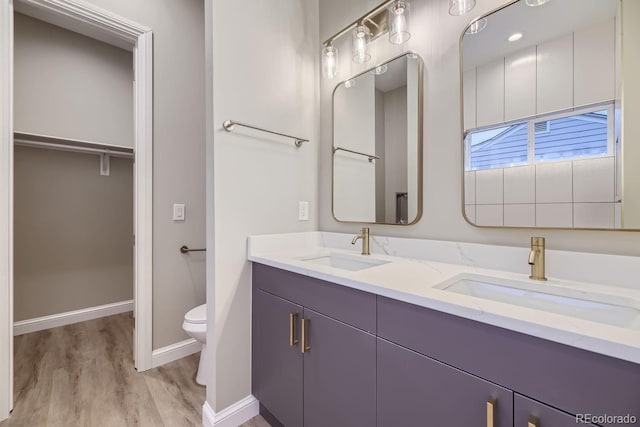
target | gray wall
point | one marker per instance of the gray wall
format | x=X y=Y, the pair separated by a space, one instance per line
x=178 y=155
x=71 y=86
x=265 y=72
x=435 y=36
x=73 y=232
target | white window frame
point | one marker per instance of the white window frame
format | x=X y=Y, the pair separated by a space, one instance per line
x=531 y=122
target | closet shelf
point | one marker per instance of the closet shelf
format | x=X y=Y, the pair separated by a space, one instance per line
x=65 y=144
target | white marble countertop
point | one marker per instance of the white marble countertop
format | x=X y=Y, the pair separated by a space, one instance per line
x=416 y=280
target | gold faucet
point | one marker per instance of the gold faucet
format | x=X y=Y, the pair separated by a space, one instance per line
x=364 y=235
x=536 y=258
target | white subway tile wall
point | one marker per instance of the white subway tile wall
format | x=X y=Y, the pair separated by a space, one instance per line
x=520 y=184
x=489 y=187
x=554 y=182
x=554 y=215
x=490 y=215
x=578 y=193
x=594 y=215
x=520 y=215
x=594 y=180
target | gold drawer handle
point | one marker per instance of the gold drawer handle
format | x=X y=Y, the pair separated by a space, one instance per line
x=292 y=329
x=533 y=422
x=491 y=405
x=305 y=335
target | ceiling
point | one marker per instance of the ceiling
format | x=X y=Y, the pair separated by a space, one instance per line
x=537 y=24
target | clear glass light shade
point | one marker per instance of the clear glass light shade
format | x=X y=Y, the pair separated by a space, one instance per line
x=360 y=44
x=399 y=22
x=477 y=26
x=460 y=7
x=534 y=3
x=329 y=62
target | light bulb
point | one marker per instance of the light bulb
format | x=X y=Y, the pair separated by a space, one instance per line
x=360 y=44
x=477 y=26
x=460 y=7
x=329 y=62
x=534 y=3
x=398 y=22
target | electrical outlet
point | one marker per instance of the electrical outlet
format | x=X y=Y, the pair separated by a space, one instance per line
x=178 y=212
x=303 y=211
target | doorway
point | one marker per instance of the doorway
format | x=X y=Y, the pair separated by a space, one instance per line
x=106 y=27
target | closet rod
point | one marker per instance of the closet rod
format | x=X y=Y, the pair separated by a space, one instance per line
x=69 y=144
x=73 y=148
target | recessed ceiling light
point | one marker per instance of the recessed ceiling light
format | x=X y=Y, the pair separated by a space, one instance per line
x=515 y=37
x=534 y=3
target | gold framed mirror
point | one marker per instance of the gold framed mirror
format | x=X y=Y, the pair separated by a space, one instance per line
x=546 y=90
x=377 y=144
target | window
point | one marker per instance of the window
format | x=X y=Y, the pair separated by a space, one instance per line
x=587 y=132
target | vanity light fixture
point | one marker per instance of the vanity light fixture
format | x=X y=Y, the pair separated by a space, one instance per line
x=460 y=7
x=515 y=37
x=329 y=61
x=399 y=22
x=360 y=44
x=534 y=3
x=392 y=16
x=477 y=26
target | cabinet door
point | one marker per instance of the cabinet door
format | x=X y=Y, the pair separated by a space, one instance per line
x=339 y=374
x=529 y=413
x=280 y=364
x=414 y=390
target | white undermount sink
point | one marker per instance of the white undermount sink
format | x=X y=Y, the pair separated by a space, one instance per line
x=344 y=262
x=596 y=307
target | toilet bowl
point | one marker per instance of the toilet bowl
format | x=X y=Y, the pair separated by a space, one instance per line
x=195 y=325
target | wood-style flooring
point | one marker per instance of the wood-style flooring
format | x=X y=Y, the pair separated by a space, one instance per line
x=82 y=375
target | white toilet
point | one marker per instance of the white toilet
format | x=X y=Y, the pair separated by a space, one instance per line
x=195 y=325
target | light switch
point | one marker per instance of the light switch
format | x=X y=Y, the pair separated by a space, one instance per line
x=178 y=212
x=303 y=211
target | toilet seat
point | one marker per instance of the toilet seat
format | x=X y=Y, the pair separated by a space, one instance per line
x=197 y=315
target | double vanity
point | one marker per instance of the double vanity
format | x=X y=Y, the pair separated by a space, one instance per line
x=440 y=334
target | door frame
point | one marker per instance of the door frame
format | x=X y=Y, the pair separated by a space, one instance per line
x=92 y=21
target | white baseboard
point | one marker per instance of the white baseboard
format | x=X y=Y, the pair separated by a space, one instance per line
x=47 y=322
x=233 y=416
x=175 y=351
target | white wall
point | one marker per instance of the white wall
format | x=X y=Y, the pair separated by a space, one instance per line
x=395 y=109
x=71 y=86
x=178 y=155
x=265 y=71
x=435 y=37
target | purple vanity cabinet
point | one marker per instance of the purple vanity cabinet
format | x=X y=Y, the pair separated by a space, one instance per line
x=529 y=412
x=339 y=374
x=414 y=390
x=279 y=385
x=333 y=383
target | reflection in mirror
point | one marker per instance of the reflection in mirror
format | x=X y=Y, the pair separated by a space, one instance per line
x=377 y=144
x=543 y=116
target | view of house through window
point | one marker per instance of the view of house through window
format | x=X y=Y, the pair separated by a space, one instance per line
x=587 y=132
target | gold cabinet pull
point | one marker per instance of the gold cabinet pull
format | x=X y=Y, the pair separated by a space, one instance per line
x=292 y=329
x=305 y=335
x=491 y=405
x=533 y=422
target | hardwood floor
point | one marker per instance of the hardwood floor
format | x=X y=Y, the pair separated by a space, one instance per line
x=83 y=375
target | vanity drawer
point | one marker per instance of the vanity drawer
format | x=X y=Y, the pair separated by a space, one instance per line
x=527 y=412
x=568 y=378
x=350 y=306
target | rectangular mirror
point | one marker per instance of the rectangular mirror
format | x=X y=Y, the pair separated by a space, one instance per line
x=545 y=140
x=377 y=144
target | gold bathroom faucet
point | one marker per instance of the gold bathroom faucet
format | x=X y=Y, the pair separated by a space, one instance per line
x=536 y=258
x=364 y=235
